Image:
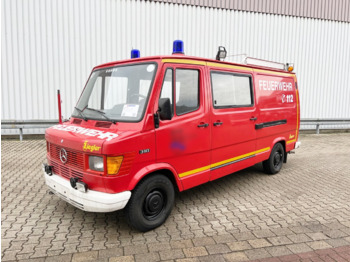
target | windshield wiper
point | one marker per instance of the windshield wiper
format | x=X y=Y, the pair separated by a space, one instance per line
x=81 y=113
x=102 y=114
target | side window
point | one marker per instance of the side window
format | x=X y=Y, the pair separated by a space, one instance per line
x=187 y=91
x=230 y=90
x=167 y=88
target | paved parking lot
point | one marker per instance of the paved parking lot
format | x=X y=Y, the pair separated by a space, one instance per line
x=245 y=216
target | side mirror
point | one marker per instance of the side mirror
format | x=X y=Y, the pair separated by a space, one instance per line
x=164 y=109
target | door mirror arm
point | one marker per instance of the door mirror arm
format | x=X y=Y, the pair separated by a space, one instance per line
x=156 y=120
x=163 y=112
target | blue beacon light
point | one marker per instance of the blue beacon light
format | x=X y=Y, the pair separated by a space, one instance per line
x=135 y=53
x=178 y=47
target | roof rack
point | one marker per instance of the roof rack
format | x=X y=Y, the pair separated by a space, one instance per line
x=222 y=54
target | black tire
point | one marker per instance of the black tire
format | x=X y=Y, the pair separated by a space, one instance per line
x=274 y=164
x=151 y=203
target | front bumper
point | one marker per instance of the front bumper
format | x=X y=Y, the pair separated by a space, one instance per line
x=91 y=201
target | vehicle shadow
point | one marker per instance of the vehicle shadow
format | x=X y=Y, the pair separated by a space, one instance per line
x=202 y=195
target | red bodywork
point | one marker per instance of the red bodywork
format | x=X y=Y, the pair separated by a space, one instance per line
x=207 y=153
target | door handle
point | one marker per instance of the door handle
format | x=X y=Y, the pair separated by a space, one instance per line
x=253 y=118
x=203 y=125
x=217 y=123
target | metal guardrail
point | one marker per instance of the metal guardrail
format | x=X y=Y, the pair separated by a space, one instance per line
x=324 y=122
x=27 y=124
x=31 y=124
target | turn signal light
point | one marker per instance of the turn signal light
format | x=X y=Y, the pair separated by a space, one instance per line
x=290 y=67
x=113 y=164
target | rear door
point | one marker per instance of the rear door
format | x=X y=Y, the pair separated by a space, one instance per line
x=184 y=141
x=233 y=117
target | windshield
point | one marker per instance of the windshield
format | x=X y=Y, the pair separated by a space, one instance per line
x=116 y=93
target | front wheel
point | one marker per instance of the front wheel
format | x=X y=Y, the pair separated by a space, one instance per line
x=274 y=164
x=151 y=203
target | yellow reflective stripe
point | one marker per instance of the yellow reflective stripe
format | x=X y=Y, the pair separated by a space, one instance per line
x=231 y=159
x=274 y=73
x=297 y=98
x=229 y=66
x=262 y=150
x=191 y=172
x=184 y=61
x=194 y=171
x=291 y=141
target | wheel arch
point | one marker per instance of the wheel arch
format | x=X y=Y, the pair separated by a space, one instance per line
x=158 y=168
x=282 y=141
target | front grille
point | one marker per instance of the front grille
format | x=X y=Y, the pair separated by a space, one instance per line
x=72 y=168
x=62 y=170
x=74 y=159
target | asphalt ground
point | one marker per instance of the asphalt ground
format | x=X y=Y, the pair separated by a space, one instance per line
x=300 y=214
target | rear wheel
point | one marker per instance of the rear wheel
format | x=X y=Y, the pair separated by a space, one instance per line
x=151 y=203
x=274 y=164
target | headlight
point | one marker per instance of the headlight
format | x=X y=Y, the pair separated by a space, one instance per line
x=96 y=163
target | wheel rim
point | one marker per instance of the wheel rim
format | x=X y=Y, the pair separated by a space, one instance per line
x=277 y=159
x=154 y=204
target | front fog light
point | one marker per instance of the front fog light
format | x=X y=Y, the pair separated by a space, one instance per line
x=96 y=163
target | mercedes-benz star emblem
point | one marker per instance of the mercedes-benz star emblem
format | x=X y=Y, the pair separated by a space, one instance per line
x=63 y=155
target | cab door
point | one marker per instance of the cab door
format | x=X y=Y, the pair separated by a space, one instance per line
x=233 y=117
x=184 y=141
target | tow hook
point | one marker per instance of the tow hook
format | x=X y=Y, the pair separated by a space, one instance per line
x=79 y=185
x=48 y=169
x=73 y=182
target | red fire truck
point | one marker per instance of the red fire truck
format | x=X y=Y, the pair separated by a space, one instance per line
x=144 y=128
